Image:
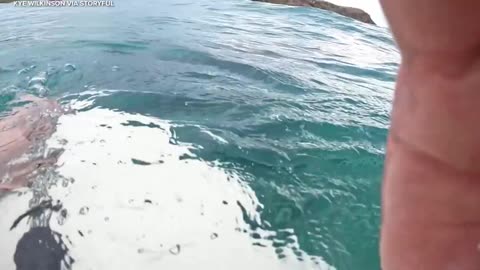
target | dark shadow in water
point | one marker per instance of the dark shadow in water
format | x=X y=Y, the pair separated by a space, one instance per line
x=41 y=248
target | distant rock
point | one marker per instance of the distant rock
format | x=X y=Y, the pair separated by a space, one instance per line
x=354 y=13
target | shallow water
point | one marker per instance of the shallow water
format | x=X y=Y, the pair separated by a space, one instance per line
x=208 y=134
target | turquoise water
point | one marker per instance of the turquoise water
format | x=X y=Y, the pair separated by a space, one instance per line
x=294 y=100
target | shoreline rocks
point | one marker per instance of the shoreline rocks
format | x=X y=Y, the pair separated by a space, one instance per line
x=354 y=13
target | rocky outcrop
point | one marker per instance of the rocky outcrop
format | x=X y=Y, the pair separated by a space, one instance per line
x=354 y=13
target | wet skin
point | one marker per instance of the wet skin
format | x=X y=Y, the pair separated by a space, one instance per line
x=21 y=133
x=431 y=189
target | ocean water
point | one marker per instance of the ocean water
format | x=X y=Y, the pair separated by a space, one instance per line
x=223 y=134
